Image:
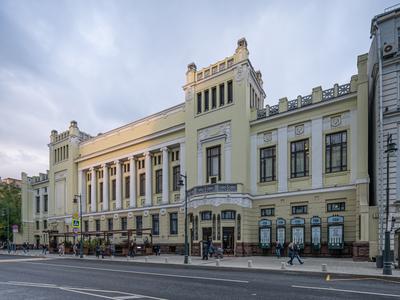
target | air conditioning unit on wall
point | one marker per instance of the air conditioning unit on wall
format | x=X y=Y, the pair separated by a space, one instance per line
x=388 y=50
x=213 y=179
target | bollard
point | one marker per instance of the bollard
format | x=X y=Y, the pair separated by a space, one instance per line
x=166 y=260
x=112 y=256
x=146 y=259
x=217 y=262
x=250 y=263
x=324 y=268
x=189 y=260
x=283 y=265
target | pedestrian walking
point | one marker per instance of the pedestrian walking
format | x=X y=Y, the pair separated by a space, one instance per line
x=131 y=252
x=278 y=249
x=97 y=250
x=205 y=250
x=112 y=249
x=294 y=250
x=102 y=250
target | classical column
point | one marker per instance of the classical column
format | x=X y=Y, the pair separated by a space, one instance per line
x=282 y=159
x=118 y=192
x=93 y=191
x=132 y=182
x=165 y=177
x=199 y=164
x=148 y=191
x=316 y=153
x=182 y=161
x=106 y=193
x=253 y=164
x=82 y=188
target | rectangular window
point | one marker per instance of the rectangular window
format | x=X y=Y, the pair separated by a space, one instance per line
x=86 y=227
x=124 y=223
x=206 y=100
x=205 y=215
x=268 y=212
x=37 y=225
x=37 y=204
x=176 y=171
x=299 y=158
x=89 y=194
x=101 y=192
x=97 y=225
x=127 y=187
x=113 y=189
x=139 y=225
x=198 y=103
x=221 y=94
x=336 y=152
x=267 y=164
x=142 y=183
x=46 y=202
x=110 y=224
x=173 y=223
x=177 y=154
x=214 y=97
x=214 y=162
x=45 y=224
x=337 y=206
x=155 y=224
x=158 y=181
x=230 y=92
x=299 y=209
x=228 y=215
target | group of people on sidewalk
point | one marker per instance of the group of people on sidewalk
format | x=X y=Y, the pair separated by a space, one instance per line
x=293 y=252
x=209 y=250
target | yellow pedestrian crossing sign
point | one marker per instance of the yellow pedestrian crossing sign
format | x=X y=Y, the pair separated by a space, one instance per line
x=75 y=215
x=76 y=223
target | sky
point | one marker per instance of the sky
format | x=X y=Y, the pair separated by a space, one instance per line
x=108 y=63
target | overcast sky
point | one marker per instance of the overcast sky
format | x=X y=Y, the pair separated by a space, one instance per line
x=105 y=64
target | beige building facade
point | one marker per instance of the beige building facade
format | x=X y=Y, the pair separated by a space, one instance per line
x=297 y=170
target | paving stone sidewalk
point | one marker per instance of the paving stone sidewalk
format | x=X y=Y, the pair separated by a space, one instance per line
x=311 y=264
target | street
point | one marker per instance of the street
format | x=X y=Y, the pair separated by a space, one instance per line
x=43 y=278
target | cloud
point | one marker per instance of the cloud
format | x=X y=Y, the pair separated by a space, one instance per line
x=97 y=62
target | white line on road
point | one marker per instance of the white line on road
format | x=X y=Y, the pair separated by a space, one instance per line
x=344 y=291
x=145 y=273
x=85 y=291
x=21 y=260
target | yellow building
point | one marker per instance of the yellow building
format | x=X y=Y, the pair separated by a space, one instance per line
x=297 y=170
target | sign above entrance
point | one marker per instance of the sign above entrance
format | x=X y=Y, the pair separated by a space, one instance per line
x=335 y=219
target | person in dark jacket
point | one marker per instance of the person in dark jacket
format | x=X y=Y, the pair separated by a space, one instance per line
x=294 y=251
x=205 y=250
x=278 y=249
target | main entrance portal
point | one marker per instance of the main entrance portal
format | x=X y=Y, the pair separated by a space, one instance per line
x=228 y=240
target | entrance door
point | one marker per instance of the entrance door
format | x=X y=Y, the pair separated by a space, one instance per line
x=207 y=233
x=228 y=239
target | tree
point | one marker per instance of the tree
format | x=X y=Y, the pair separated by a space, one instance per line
x=10 y=203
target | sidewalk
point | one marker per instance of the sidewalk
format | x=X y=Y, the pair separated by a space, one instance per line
x=311 y=264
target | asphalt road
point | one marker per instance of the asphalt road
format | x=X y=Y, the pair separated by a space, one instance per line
x=36 y=278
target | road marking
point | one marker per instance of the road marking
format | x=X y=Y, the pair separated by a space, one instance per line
x=85 y=291
x=146 y=273
x=22 y=260
x=366 y=278
x=344 y=291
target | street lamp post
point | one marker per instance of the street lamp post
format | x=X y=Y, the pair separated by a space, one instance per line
x=181 y=183
x=387 y=265
x=81 y=223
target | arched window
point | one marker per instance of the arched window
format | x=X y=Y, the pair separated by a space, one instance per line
x=218 y=227
x=214 y=227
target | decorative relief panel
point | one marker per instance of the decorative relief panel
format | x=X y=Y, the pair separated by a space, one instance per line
x=299 y=130
x=60 y=175
x=189 y=94
x=241 y=72
x=213 y=132
x=217 y=201
x=336 y=121
x=267 y=137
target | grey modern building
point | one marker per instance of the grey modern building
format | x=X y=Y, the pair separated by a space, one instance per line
x=384 y=102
